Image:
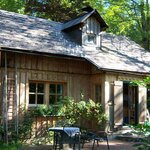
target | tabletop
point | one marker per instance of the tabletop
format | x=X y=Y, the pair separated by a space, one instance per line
x=70 y=131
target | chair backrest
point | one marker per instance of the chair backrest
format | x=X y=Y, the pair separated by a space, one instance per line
x=107 y=128
x=104 y=127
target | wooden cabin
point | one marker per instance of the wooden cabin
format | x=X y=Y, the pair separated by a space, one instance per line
x=42 y=61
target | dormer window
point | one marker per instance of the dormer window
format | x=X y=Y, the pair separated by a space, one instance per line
x=85 y=30
x=91 y=32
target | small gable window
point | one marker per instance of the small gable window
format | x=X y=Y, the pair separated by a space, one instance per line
x=91 y=32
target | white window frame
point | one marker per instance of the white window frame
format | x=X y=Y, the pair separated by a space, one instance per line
x=36 y=93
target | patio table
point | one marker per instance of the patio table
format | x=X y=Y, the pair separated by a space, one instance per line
x=65 y=135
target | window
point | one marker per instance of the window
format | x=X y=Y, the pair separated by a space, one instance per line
x=45 y=93
x=36 y=93
x=98 y=93
x=55 y=93
x=91 y=33
x=91 y=39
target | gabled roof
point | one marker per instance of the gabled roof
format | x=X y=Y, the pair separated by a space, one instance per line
x=80 y=20
x=29 y=34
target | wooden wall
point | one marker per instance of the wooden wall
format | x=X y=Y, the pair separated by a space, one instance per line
x=74 y=72
x=79 y=76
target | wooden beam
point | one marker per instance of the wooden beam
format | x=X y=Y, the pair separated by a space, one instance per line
x=5 y=113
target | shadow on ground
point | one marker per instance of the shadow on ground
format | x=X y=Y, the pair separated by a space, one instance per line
x=114 y=145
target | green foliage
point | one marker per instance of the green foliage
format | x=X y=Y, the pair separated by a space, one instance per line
x=142 y=129
x=145 y=82
x=55 y=9
x=144 y=132
x=124 y=17
x=76 y=112
x=13 y=5
x=129 y=18
x=25 y=126
x=43 y=110
x=73 y=112
x=14 y=146
x=70 y=112
x=48 y=110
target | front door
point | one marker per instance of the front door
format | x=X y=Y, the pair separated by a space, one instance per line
x=130 y=104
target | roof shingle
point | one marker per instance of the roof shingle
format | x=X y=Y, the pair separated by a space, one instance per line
x=39 y=35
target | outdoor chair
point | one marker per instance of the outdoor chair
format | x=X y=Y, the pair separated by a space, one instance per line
x=100 y=136
x=88 y=135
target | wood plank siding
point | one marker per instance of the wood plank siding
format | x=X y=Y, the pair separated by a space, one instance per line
x=75 y=73
x=91 y=27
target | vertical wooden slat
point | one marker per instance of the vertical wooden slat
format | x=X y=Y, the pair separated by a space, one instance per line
x=5 y=113
x=16 y=97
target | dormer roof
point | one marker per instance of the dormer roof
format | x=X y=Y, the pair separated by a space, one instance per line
x=77 y=22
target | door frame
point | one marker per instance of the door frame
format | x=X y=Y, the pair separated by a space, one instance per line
x=130 y=103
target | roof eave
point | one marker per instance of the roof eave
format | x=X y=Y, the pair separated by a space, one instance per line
x=77 y=26
x=23 y=51
x=118 y=71
x=34 y=52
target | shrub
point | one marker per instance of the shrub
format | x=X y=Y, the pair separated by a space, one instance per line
x=76 y=112
x=144 y=131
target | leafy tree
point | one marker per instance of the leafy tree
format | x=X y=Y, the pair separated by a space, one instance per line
x=124 y=17
x=55 y=9
x=130 y=18
x=13 y=5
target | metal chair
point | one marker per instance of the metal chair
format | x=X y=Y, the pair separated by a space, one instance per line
x=101 y=135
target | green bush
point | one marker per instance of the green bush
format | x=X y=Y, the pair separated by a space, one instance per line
x=76 y=112
x=13 y=146
x=73 y=112
x=144 y=131
x=45 y=110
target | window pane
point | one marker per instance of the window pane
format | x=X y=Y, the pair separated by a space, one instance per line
x=98 y=93
x=52 y=99
x=40 y=99
x=32 y=87
x=32 y=99
x=59 y=89
x=52 y=88
x=40 y=88
x=92 y=39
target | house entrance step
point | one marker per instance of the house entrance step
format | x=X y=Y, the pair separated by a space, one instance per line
x=126 y=134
